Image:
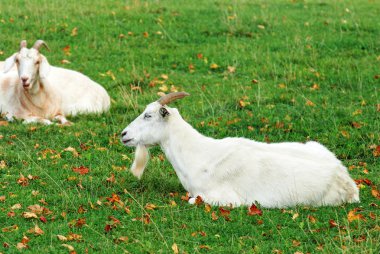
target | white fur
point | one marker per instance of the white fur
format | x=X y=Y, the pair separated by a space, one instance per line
x=240 y=171
x=49 y=92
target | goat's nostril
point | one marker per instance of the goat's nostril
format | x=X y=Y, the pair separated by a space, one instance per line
x=23 y=79
x=123 y=133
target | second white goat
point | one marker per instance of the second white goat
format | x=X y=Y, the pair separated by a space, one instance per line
x=39 y=92
x=239 y=171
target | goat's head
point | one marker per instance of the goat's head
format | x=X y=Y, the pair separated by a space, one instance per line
x=31 y=64
x=149 y=129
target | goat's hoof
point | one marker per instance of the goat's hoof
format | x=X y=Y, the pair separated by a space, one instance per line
x=46 y=122
x=192 y=201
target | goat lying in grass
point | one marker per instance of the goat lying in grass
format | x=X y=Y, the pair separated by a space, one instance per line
x=39 y=92
x=239 y=171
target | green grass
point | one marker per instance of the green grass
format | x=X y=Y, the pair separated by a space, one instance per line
x=287 y=46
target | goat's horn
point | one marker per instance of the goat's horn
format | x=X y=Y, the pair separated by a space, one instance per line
x=23 y=44
x=166 y=99
x=37 y=45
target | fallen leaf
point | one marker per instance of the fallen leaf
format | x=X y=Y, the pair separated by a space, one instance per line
x=376 y=151
x=312 y=219
x=345 y=134
x=62 y=238
x=80 y=222
x=82 y=170
x=36 y=230
x=69 y=247
x=4 y=123
x=214 y=216
x=231 y=69
x=23 y=181
x=150 y=206
x=65 y=61
x=122 y=239
x=207 y=208
x=74 y=32
x=353 y=215
x=175 y=248
x=29 y=215
x=253 y=210
x=16 y=207
x=296 y=243
x=224 y=213
x=72 y=150
x=2 y=198
x=111 y=179
x=214 y=66
x=332 y=224
x=204 y=247
x=11 y=214
x=9 y=229
x=310 y=103
x=198 y=200
x=74 y=237
x=375 y=193
x=186 y=197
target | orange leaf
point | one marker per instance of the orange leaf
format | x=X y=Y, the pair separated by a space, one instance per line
x=376 y=152
x=81 y=170
x=332 y=224
x=214 y=216
x=253 y=210
x=312 y=219
x=207 y=208
x=198 y=200
x=23 y=181
x=150 y=206
x=375 y=193
x=352 y=215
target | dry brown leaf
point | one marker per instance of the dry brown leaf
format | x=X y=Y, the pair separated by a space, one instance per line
x=29 y=215
x=150 y=206
x=352 y=215
x=82 y=170
x=36 y=230
x=62 y=238
x=312 y=219
x=375 y=193
x=16 y=207
x=72 y=150
x=175 y=248
x=69 y=247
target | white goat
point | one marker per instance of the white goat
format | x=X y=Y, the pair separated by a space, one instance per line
x=40 y=92
x=239 y=171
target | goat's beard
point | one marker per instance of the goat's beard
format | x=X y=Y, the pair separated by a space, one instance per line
x=140 y=161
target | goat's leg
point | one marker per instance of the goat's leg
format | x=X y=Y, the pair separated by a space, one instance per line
x=9 y=117
x=36 y=119
x=62 y=119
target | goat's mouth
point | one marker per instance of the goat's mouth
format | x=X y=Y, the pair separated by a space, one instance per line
x=126 y=141
x=26 y=85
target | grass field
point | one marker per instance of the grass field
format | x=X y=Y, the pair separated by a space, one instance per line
x=268 y=70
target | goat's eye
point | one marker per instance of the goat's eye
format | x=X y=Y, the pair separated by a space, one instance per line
x=146 y=116
x=38 y=62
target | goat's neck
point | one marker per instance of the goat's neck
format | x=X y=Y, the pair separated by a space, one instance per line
x=183 y=147
x=36 y=99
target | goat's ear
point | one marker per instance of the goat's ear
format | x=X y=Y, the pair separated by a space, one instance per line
x=164 y=112
x=9 y=62
x=44 y=67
